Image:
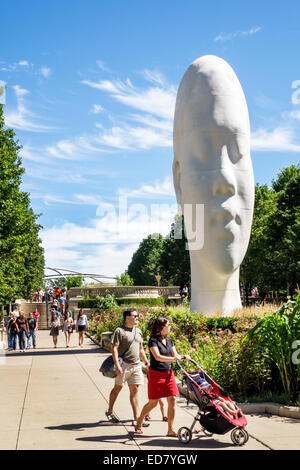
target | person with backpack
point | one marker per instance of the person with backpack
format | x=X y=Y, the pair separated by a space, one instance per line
x=32 y=327
x=127 y=341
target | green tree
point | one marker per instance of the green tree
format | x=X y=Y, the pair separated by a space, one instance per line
x=125 y=280
x=256 y=269
x=21 y=254
x=145 y=263
x=272 y=261
x=74 y=281
x=285 y=229
x=175 y=258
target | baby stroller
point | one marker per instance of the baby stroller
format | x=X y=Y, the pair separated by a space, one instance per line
x=211 y=416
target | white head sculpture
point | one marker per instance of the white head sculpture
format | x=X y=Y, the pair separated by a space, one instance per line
x=212 y=167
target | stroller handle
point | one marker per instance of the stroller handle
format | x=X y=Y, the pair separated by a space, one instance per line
x=191 y=360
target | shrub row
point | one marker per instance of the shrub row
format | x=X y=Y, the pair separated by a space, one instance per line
x=122 y=301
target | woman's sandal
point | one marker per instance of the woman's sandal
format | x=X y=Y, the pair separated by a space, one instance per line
x=138 y=430
x=173 y=434
x=144 y=425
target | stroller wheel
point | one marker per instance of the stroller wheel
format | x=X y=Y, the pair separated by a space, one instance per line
x=239 y=436
x=207 y=433
x=184 y=435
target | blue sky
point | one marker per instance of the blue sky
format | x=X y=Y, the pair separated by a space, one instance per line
x=91 y=88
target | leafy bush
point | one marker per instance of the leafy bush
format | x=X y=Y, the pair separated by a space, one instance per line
x=151 y=302
x=277 y=334
x=110 y=301
x=103 y=303
x=106 y=320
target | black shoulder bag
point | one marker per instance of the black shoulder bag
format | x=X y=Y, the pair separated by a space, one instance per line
x=108 y=367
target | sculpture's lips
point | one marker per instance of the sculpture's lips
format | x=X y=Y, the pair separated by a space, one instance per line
x=225 y=225
x=225 y=215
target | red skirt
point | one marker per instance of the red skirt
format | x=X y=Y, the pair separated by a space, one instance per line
x=161 y=384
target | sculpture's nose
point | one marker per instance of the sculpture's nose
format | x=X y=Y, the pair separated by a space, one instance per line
x=225 y=182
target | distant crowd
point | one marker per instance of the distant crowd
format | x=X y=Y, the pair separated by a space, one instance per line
x=50 y=295
x=18 y=326
x=25 y=329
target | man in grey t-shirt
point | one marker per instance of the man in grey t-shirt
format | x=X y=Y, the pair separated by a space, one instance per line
x=131 y=370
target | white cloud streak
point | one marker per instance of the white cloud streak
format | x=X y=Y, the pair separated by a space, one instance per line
x=155 y=104
x=280 y=139
x=222 y=37
x=22 y=118
x=45 y=72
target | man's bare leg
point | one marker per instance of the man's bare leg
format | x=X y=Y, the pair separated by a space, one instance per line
x=113 y=396
x=134 y=400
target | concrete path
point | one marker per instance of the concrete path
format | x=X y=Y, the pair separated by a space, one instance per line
x=56 y=399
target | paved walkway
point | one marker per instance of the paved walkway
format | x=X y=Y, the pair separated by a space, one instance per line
x=56 y=399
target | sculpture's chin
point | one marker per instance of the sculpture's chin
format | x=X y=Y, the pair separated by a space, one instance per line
x=223 y=259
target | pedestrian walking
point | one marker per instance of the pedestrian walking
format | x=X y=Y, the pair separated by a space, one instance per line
x=68 y=326
x=23 y=331
x=32 y=327
x=62 y=303
x=161 y=379
x=54 y=331
x=6 y=323
x=13 y=330
x=57 y=293
x=58 y=315
x=127 y=341
x=36 y=315
x=82 y=325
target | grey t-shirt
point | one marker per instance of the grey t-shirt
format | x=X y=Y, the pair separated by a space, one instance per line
x=123 y=336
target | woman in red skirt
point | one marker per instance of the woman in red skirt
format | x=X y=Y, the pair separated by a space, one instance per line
x=161 y=379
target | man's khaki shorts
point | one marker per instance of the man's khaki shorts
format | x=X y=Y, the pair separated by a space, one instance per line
x=133 y=375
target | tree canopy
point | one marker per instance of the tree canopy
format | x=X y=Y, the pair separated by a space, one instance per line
x=21 y=253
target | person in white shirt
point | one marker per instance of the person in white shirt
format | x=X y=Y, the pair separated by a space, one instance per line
x=68 y=326
x=82 y=325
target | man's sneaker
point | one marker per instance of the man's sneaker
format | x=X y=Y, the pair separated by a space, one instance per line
x=112 y=417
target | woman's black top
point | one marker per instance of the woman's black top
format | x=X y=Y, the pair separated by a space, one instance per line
x=164 y=350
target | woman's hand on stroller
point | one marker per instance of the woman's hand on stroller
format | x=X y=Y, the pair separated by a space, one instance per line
x=185 y=358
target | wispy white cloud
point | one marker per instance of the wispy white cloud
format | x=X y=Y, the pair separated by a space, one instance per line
x=108 y=260
x=133 y=137
x=157 y=100
x=19 y=66
x=23 y=63
x=159 y=189
x=154 y=122
x=45 y=72
x=154 y=76
x=121 y=223
x=222 y=37
x=280 y=139
x=22 y=118
x=97 y=108
x=101 y=64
